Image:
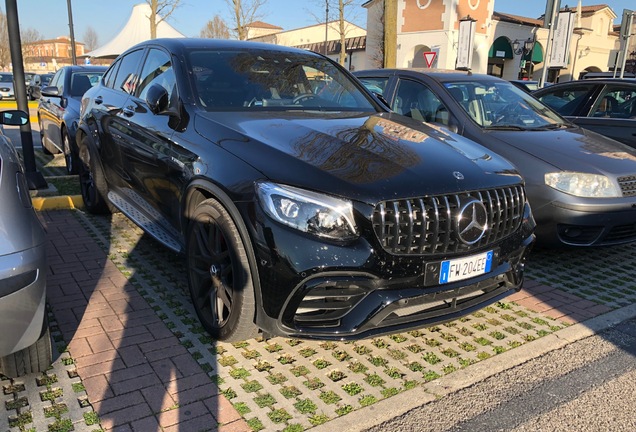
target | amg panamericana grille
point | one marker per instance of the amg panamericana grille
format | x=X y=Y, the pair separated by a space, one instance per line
x=426 y=225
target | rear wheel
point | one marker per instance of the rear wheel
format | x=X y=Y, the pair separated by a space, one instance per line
x=219 y=274
x=35 y=358
x=69 y=155
x=92 y=182
x=45 y=150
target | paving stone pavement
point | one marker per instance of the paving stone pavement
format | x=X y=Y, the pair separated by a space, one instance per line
x=135 y=358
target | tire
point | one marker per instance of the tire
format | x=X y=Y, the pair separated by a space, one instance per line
x=92 y=182
x=219 y=274
x=35 y=358
x=70 y=156
x=45 y=150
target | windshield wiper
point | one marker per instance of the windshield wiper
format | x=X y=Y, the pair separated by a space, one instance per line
x=505 y=127
x=549 y=126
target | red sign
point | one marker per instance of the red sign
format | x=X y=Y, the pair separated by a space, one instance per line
x=429 y=57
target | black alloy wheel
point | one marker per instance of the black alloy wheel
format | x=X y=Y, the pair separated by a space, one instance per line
x=219 y=274
x=69 y=155
x=92 y=182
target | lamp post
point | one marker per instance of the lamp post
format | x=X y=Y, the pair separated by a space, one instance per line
x=326 y=25
x=523 y=50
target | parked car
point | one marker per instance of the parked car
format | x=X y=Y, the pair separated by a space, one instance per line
x=581 y=185
x=25 y=345
x=6 y=85
x=59 y=109
x=36 y=91
x=31 y=79
x=526 y=85
x=311 y=215
x=606 y=106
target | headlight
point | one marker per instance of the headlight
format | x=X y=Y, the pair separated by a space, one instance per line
x=307 y=211
x=582 y=184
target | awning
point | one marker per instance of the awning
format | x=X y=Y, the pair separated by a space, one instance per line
x=501 y=48
x=537 y=54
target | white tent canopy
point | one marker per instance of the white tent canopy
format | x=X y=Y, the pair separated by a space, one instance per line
x=136 y=30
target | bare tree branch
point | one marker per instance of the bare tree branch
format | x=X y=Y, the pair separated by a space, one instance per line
x=159 y=11
x=216 y=28
x=340 y=11
x=91 y=40
x=5 y=51
x=245 y=12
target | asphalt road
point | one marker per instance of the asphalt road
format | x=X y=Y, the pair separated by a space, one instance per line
x=585 y=386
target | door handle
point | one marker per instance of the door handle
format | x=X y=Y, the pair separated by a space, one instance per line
x=99 y=100
x=129 y=111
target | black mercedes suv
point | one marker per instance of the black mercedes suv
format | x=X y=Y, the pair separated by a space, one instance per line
x=303 y=210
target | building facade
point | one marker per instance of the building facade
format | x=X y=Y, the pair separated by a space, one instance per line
x=505 y=45
x=49 y=55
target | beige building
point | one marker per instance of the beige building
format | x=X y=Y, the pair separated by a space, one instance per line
x=313 y=38
x=500 y=39
x=50 y=55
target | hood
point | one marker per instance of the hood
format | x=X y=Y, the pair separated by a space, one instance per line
x=364 y=157
x=573 y=149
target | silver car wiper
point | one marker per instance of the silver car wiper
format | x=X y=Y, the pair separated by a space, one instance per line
x=506 y=127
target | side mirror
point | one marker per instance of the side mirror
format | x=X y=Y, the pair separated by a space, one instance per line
x=157 y=99
x=14 y=118
x=50 y=91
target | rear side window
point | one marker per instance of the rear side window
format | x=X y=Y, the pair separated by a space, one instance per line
x=375 y=85
x=567 y=101
x=126 y=79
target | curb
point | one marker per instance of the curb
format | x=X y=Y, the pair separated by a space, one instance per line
x=63 y=202
x=398 y=405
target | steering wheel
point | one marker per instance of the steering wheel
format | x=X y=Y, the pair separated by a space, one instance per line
x=303 y=97
x=508 y=113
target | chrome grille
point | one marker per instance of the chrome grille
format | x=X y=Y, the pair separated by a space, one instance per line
x=426 y=225
x=628 y=185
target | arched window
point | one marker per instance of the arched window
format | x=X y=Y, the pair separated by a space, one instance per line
x=418 y=57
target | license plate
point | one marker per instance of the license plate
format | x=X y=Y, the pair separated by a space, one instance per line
x=464 y=268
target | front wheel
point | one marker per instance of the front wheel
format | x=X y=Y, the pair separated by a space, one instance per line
x=219 y=274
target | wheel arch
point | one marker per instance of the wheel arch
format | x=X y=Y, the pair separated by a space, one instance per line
x=200 y=190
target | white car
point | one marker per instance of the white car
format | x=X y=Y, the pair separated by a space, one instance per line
x=6 y=85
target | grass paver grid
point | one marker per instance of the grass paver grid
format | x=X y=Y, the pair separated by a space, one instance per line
x=54 y=400
x=271 y=381
x=601 y=275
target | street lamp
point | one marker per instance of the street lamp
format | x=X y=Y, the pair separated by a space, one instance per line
x=523 y=48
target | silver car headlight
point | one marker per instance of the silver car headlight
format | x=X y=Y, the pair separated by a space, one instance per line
x=311 y=212
x=582 y=184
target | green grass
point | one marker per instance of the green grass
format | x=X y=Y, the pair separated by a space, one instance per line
x=65 y=185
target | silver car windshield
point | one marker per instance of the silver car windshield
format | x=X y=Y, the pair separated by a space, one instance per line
x=501 y=105
x=269 y=80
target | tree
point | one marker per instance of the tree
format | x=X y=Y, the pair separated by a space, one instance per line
x=5 y=49
x=28 y=37
x=216 y=28
x=245 y=12
x=91 y=40
x=341 y=11
x=159 y=11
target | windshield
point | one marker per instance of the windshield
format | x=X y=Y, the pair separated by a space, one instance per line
x=270 y=80
x=6 y=78
x=499 y=105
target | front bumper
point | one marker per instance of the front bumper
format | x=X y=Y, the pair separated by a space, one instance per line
x=22 y=298
x=573 y=221
x=344 y=292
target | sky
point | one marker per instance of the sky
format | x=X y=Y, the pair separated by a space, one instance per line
x=109 y=16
